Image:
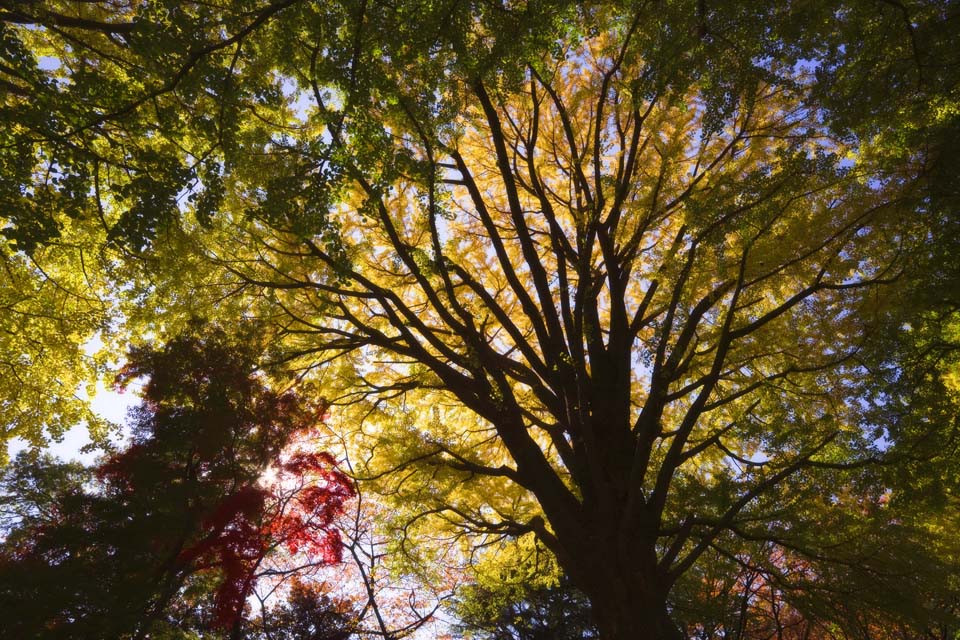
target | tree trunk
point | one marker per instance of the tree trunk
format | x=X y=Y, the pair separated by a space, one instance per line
x=639 y=621
x=627 y=599
x=619 y=616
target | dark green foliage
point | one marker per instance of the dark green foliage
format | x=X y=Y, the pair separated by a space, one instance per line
x=147 y=98
x=165 y=534
x=33 y=487
x=525 y=612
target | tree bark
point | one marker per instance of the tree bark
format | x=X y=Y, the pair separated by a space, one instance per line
x=625 y=611
x=627 y=597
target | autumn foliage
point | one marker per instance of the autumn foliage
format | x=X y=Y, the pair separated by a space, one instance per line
x=668 y=287
x=188 y=501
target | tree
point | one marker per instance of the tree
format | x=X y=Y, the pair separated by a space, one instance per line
x=307 y=614
x=51 y=304
x=526 y=611
x=180 y=522
x=612 y=303
x=34 y=487
x=607 y=276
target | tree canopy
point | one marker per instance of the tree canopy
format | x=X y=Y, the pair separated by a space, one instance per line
x=663 y=286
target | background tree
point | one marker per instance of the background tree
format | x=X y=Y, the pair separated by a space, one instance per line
x=173 y=535
x=307 y=613
x=524 y=610
x=32 y=489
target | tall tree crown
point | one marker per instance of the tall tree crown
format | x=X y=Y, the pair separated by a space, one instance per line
x=610 y=275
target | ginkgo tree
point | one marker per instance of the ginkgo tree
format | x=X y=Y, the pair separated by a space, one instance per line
x=611 y=322
x=608 y=276
x=616 y=319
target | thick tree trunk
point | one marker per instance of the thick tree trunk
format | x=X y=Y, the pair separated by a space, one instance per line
x=632 y=621
x=628 y=601
x=624 y=611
